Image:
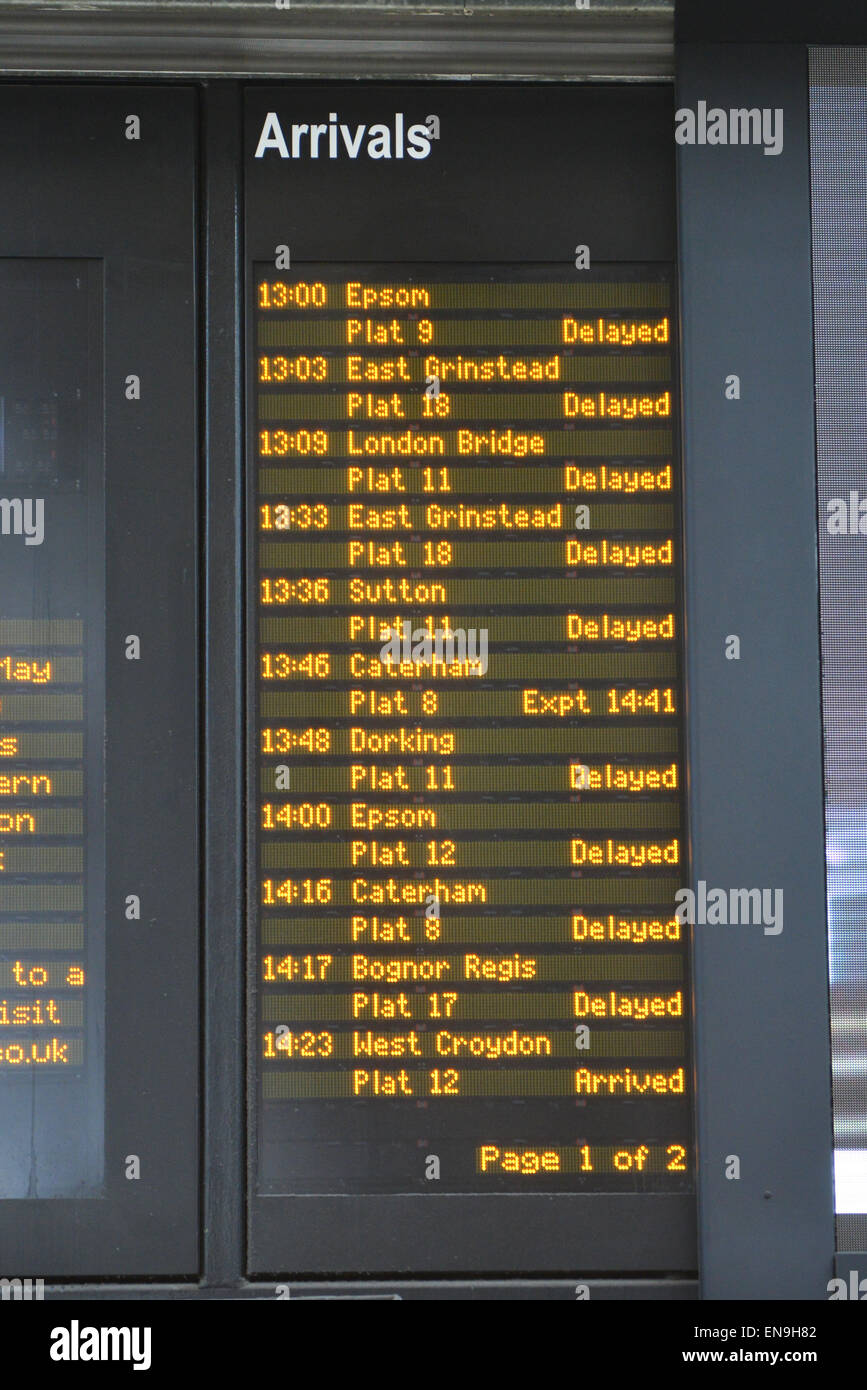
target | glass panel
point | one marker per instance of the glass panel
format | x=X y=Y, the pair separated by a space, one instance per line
x=52 y=852
x=466 y=618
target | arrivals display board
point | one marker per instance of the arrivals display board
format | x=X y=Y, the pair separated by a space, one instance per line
x=465 y=627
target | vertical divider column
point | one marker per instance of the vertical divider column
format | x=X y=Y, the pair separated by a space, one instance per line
x=224 y=1176
x=755 y=734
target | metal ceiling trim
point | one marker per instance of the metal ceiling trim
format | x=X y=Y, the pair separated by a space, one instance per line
x=260 y=40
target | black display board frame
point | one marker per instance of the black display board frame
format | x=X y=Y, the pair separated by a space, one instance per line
x=509 y=180
x=77 y=186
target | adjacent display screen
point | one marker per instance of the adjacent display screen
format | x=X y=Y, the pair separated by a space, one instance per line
x=838 y=174
x=52 y=853
x=466 y=701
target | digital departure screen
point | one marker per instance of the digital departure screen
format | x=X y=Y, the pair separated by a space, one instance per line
x=52 y=852
x=468 y=827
